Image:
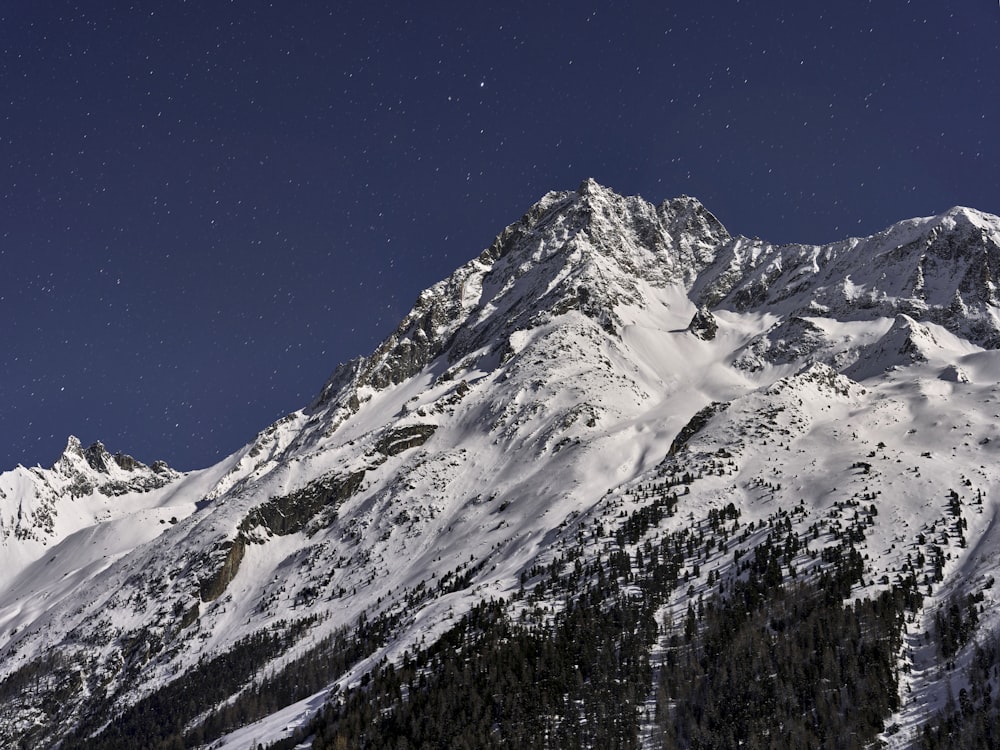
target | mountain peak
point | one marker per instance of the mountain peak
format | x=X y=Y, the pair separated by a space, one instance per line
x=98 y=457
x=73 y=446
x=95 y=456
x=73 y=458
x=589 y=251
x=966 y=215
x=594 y=251
x=590 y=186
x=94 y=467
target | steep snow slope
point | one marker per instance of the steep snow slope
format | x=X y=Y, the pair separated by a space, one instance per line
x=522 y=399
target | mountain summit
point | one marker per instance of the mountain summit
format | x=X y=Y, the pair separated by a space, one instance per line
x=618 y=430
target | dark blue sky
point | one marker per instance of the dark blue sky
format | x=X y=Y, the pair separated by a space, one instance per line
x=207 y=205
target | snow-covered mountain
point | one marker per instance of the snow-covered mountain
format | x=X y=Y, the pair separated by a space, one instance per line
x=606 y=377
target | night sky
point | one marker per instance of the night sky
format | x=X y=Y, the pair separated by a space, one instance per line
x=206 y=206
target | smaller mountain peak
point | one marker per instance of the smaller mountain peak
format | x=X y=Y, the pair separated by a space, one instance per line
x=72 y=458
x=687 y=215
x=911 y=327
x=73 y=446
x=953 y=374
x=97 y=457
x=907 y=342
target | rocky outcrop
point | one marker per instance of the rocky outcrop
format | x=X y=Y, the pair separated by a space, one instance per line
x=403 y=438
x=213 y=586
x=793 y=339
x=291 y=513
x=703 y=324
x=695 y=425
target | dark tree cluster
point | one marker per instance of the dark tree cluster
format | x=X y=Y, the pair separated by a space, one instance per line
x=775 y=663
x=49 y=684
x=972 y=719
x=157 y=721
x=491 y=682
x=298 y=679
x=955 y=622
x=570 y=678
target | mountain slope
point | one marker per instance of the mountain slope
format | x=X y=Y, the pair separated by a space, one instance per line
x=604 y=360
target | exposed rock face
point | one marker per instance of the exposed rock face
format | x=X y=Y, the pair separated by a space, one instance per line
x=403 y=438
x=793 y=339
x=694 y=426
x=213 y=586
x=703 y=324
x=293 y=512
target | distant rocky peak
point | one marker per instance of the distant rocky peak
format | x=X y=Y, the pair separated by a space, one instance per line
x=95 y=467
x=98 y=457
x=73 y=447
x=73 y=458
